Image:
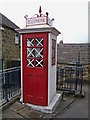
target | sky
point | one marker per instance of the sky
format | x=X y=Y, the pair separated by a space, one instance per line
x=71 y=16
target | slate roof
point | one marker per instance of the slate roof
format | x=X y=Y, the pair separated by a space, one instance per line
x=6 y=22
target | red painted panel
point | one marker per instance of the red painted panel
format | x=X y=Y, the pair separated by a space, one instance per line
x=35 y=68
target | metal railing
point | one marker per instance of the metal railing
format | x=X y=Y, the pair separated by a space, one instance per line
x=9 y=83
x=70 y=79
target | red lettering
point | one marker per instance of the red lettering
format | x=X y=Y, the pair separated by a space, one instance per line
x=33 y=21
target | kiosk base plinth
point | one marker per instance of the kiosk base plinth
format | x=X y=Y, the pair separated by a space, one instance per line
x=50 y=108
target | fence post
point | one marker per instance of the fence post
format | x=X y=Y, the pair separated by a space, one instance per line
x=6 y=87
x=61 y=75
x=77 y=76
x=81 y=77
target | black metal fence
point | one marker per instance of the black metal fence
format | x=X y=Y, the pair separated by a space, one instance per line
x=9 y=83
x=70 y=79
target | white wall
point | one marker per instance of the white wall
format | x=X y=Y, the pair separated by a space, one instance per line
x=51 y=69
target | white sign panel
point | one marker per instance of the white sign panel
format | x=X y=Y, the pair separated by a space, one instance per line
x=36 y=21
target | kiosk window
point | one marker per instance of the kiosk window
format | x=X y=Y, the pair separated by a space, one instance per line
x=53 y=51
x=35 y=51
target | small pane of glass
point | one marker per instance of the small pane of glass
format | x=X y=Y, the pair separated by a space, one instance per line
x=53 y=52
x=30 y=52
x=30 y=62
x=30 y=42
x=39 y=52
x=39 y=63
x=39 y=41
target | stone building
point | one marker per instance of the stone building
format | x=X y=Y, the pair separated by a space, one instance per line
x=9 y=43
x=67 y=54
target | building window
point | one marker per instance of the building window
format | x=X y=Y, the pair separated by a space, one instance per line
x=53 y=51
x=16 y=39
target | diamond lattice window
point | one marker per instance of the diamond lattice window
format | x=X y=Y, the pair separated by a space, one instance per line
x=35 y=52
x=39 y=41
x=30 y=42
x=30 y=62
x=39 y=63
x=30 y=52
x=39 y=52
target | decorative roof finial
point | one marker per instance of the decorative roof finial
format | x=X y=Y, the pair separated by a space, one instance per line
x=40 y=10
x=46 y=13
x=26 y=16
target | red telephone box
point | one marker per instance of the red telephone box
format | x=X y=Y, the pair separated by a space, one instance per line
x=38 y=60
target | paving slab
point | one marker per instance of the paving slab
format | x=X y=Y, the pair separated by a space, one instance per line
x=25 y=112
x=29 y=113
x=17 y=106
x=8 y=113
x=36 y=114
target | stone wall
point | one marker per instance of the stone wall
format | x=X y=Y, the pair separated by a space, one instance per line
x=10 y=50
x=68 y=53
